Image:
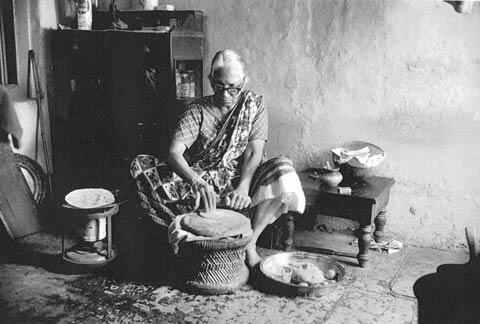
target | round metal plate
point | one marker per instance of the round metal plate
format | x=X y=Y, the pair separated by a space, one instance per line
x=269 y=266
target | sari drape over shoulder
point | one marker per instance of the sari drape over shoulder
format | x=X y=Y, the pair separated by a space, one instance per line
x=214 y=150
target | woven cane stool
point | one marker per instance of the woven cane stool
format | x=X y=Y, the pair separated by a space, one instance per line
x=214 y=267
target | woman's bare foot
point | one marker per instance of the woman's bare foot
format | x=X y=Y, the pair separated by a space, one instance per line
x=252 y=257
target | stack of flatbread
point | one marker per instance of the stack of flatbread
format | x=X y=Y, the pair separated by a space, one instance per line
x=90 y=198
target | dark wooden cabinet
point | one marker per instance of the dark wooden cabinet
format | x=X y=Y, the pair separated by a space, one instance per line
x=116 y=97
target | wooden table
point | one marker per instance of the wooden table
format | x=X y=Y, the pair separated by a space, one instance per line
x=367 y=204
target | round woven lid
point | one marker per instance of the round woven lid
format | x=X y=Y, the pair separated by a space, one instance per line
x=217 y=223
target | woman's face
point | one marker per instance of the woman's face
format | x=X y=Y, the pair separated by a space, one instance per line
x=227 y=83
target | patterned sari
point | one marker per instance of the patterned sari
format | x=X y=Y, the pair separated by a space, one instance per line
x=218 y=161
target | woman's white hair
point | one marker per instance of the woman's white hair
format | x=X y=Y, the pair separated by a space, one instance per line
x=225 y=58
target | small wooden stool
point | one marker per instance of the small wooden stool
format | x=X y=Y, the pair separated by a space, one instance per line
x=366 y=204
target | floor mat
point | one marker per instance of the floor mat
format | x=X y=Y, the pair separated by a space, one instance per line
x=420 y=262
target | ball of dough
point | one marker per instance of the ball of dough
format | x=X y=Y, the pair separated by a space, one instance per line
x=306 y=272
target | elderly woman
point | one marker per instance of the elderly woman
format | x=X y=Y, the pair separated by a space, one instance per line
x=218 y=148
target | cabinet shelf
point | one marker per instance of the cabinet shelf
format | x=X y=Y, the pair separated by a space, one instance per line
x=186 y=21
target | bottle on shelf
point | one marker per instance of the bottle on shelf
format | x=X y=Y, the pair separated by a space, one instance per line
x=184 y=85
x=178 y=81
x=84 y=14
x=191 y=83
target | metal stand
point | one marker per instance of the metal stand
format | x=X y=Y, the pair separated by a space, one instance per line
x=93 y=254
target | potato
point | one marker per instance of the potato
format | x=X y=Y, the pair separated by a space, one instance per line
x=330 y=274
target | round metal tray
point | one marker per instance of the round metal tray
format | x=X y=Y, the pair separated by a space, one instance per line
x=269 y=265
x=357 y=145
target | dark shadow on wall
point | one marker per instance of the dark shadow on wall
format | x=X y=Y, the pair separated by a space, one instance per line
x=451 y=295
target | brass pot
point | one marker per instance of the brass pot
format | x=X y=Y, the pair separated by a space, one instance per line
x=330 y=177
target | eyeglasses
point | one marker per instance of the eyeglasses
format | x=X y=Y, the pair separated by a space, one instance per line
x=233 y=91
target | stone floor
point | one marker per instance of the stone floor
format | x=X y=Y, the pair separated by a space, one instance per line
x=36 y=287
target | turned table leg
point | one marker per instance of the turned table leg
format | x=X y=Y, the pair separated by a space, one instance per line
x=363 y=244
x=380 y=221
x=289 y=229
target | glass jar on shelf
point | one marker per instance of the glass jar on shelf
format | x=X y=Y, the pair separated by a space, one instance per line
x=191 y=84
x=184 y=85
x=185 y=81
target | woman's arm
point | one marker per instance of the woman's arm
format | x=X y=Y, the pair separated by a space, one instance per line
x=178 y=163
x=252 y=157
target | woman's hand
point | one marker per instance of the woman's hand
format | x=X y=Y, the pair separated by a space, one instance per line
x=205 y=192
x=238 y=199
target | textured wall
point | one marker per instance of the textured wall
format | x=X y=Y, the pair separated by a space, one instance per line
x=404 y=75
